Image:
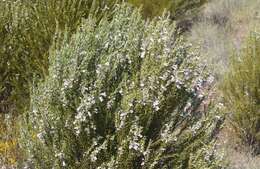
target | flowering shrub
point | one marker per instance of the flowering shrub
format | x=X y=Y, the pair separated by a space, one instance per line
x=241 y=91
x=122 y=93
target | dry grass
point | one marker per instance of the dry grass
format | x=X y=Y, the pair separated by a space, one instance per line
x=221 y=28
x=237 y=155
x=243 y=160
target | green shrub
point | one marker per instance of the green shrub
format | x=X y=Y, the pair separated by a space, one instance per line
x=27 y=30
x=181 y=8
x=241 y=90
x=124 y=93
x=151 y=8
x=178 y=8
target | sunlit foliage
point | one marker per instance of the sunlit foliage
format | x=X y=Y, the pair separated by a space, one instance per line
x=122 y=93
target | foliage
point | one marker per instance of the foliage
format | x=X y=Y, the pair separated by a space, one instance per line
x=27 y=30
x=178 y=8
x=151 y=8
x=122 y=93
x=241 y=92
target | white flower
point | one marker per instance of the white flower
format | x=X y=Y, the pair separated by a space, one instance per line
x=142 y=54
x=93 y=157
x=174 y=67
x=66 y=83
x=40 y=136
x=163 y=88
x=164 y=77
x=188 y=105
x=200 y=96
x=123 y=114
x=130 y=104
x=77 y=128
x=34 y=110
x=83 y=52
x=59 y=155
x=196 y=127
x=156 y=105
x=178 y=84
x=63 y=163
x=218 y=117
x=211 y=79
x=107 y=64
x=103 y=94
x=134 y=145
x=165 y=64
x=106 y=45
x=120 y=91
x=101 y=99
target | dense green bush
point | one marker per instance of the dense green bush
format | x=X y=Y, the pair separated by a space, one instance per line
x=181 y=8
x=27 y=30
x=151 y=8
x=241 y=90
x=178 y=8
x=124 y=93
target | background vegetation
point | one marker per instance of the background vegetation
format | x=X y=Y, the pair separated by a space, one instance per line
x=178 y=8
x=226 y=24
x=241 y=91
x=222 y=31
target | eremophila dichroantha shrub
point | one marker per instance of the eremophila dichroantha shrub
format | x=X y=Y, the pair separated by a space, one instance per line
x=241 y=90
x=123 y=93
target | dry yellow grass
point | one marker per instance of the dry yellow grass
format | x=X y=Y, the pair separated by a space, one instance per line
x=8 y=142
x=222 y=28
x=237 y=155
